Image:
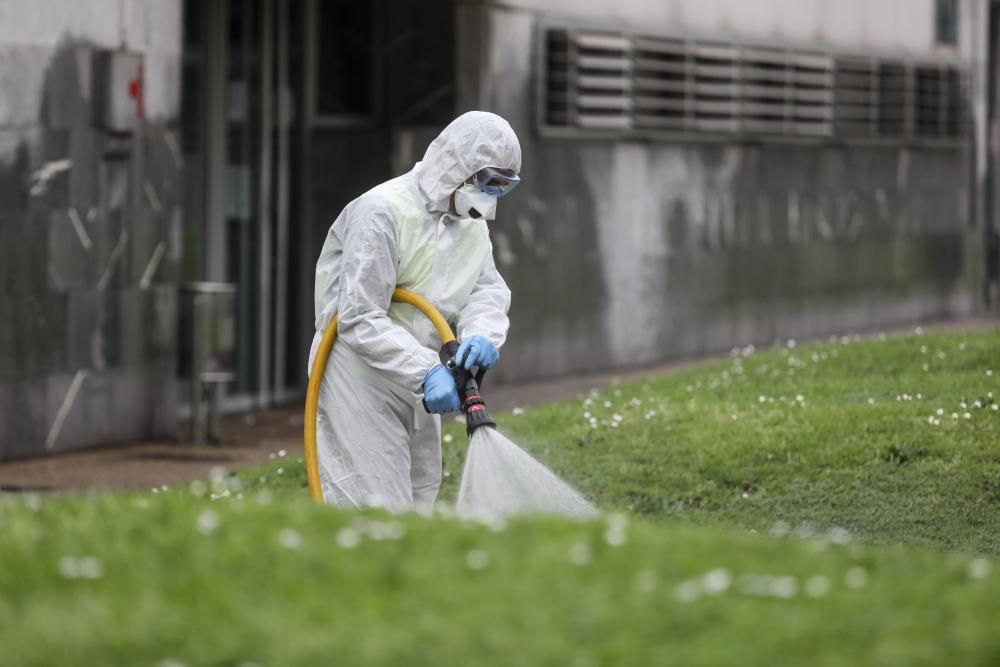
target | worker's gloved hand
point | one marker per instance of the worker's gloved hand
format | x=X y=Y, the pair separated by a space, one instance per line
x=477 y=351
x=440 y=392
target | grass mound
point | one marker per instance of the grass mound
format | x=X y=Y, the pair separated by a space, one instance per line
x=807 y=505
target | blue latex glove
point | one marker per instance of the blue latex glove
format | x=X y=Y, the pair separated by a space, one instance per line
x=440 y=392
x=477 y=351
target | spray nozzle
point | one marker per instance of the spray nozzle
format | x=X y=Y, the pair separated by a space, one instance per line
x=468 y=383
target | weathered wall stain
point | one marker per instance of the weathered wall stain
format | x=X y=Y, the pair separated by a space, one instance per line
x=87 y=345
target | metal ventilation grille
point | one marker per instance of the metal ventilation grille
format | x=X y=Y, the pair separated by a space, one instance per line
x=613 y=82
x=855 y=109
x=589 y=82
x=660 y=84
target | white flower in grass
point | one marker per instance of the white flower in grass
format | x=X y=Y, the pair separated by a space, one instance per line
x=871 y=401
x=967 y=415
x=517 y=411
x=817 y=586
x=207 y=522
x=839 y=535
x=754 y=584
x=856 y=578
x=280 y=471
x=979 y=568
x=477 y=559
x=579 y=554
x=940 y=411
x=290 y=538
x=783 y=587
x=80 y=567
x=716 y=581
x=448 y=437
x=688 y=591
x=348 y=538
x=615 y=533
x=282 y=453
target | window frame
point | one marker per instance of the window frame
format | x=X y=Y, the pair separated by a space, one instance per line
x=941 y=9
x=313 y=116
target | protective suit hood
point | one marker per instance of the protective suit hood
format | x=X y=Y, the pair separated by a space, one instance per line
x=474 y=140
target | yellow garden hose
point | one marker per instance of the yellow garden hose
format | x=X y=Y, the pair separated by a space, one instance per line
x=319 y=367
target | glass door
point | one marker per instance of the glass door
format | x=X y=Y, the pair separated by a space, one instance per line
x=237 y=117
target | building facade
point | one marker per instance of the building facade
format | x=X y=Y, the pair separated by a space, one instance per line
x=698 y=174
x=90 y=221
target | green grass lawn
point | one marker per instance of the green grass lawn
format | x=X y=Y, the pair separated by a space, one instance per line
x=800 y=506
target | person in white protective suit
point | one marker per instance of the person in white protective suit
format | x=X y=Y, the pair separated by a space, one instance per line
x=424 y=231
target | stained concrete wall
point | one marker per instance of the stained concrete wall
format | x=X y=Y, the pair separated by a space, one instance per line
x=89 y=228
x=623 y=252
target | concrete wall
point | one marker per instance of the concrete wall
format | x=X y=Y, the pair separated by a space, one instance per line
x=89 y=228
x=624 y=252
x=854 y=25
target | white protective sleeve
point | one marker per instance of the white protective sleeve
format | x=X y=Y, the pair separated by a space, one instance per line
x=367 y=280
x=485 y=313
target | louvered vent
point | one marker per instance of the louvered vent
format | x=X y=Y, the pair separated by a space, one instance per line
x=613 y=82
x=855 y=86
x=590 y=80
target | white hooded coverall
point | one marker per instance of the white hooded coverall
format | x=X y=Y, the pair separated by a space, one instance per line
x=376 y=444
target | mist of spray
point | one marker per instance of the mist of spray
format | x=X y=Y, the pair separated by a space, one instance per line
x=500 y=479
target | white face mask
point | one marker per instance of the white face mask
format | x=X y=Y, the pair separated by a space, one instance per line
x=471 y=202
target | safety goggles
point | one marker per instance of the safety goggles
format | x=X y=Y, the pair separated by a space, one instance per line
x=494 y=181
